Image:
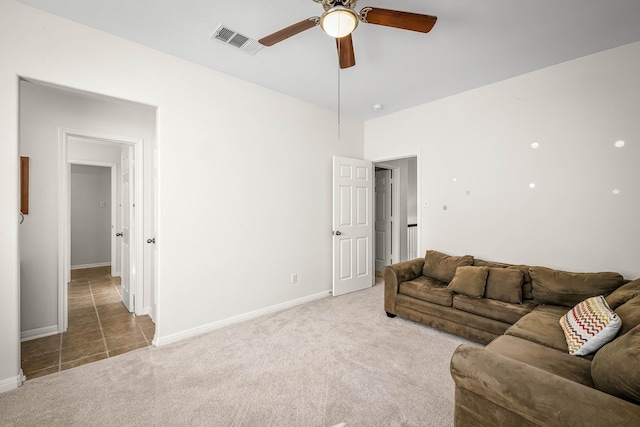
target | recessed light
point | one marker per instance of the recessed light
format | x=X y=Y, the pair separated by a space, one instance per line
x=377 y=107
x=532 y=185
x=535 y=145
x=455 y=179
x=619 y=144
x=616 y=191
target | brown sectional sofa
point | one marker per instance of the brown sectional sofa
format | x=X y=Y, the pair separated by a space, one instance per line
x=525 y=376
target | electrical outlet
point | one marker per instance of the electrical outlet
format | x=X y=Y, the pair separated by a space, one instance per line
x=294 y=278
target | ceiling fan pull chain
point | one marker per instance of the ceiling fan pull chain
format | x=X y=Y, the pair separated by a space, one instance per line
x=338 y=93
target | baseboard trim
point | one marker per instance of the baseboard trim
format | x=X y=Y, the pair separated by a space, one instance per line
x=179 y=336
x=11 y=383
x=97 y=264
x=32 y=334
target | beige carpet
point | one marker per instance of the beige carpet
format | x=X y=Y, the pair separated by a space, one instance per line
x=332 y=361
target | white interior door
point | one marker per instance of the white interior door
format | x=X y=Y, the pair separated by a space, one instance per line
x=352 y=225
x=126 y=288
x=383 y=219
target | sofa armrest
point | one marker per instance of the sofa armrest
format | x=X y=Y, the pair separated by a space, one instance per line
x=395 y=274
x=537 y=395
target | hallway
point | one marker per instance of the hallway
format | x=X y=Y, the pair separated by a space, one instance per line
x=99 y=327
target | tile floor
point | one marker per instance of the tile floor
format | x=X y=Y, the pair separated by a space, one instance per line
x=99 y=327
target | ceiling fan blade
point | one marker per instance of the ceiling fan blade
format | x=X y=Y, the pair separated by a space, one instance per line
x=346 y=54
x=397 y=19
x=291 y=30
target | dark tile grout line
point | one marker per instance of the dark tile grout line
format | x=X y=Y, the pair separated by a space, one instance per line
x=104 y=339
x=143 y=334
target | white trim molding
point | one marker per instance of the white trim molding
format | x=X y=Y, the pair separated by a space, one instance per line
x=12 y=383
x=97 y=264
x=32 y=334
x=158 y=341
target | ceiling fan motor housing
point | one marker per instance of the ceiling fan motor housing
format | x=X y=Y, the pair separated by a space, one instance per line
x=328 y=4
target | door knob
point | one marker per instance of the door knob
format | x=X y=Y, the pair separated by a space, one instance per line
x=337 y=233
x=118 y=234
x=151 y=240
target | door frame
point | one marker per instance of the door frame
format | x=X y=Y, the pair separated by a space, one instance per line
x=64 y=215
x=385 y=163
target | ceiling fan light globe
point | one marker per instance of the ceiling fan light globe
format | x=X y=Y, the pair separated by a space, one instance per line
x=339 y=21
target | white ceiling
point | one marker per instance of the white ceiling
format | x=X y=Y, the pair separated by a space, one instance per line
x=474 y=43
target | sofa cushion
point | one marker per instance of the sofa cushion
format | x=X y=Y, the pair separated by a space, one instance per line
x=589 y=325
x=504 y=284
x=493 y=309
x=623 y=294
x=427 y=289
x=576 y=369
x=442 y=267
x=466 y=320
x=469 y=281
x=541 y=326
x=629 y=314
x=564 y=288
x=527 y=288
x=616 y=367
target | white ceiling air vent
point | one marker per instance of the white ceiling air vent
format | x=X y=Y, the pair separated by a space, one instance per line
x=244 y=43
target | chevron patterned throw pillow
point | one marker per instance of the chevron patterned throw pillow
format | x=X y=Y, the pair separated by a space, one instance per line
x=589 y=325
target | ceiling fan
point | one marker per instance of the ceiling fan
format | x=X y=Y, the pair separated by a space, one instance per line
x=340 y=19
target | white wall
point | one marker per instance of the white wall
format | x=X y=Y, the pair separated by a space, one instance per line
x=244 y=174
x=570 y=220
x=44 y=111
x=90 y=215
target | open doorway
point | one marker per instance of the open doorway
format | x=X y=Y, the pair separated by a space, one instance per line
x=122 y=154
x=92 y=212
x=396 y=212
x=56 y=133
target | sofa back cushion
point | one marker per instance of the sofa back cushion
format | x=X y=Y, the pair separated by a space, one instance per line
x=442 y=267
x=623 y=294
x=564 y=288
x=629 y=313
x=469 y=281
x=527 y=288
x=625 y=301
x=504 y=284
x=614 y=368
